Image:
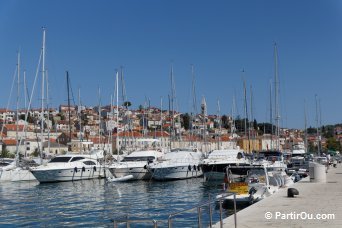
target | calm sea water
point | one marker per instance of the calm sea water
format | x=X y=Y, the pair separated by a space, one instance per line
x=96 y=203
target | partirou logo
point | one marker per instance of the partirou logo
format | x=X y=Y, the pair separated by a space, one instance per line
x=298 y=216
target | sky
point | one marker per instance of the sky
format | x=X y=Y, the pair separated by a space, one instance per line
x=227 y=42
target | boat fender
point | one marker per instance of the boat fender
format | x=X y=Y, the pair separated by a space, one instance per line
x=83 y=169
x=94 y=168
x=75 y=169
x=189 y=167
x=252 y=191
x=194 y=167
x=145 y=166
x=291 y=192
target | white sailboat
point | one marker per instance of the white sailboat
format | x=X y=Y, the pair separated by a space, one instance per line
x=14 y=171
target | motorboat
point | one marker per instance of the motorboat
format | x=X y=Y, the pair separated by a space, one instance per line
x=215 y=164
x=179 y=163
x=69 y=167
x=249 y=183
x=276 y=166
x=135 y=164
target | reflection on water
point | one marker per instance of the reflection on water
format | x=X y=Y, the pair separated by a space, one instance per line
x=92 y=203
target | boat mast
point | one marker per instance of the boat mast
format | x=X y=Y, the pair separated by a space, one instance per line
x=69 y=112
x=117 y=111
x=219 y=123
x=80 y=119
x=317 y=128
x=48 y=109
x=194 y=104
x=276 y=96
x=245 y=110
x=305 y=129
x=17 y=111
x=251 y=144
x=172 y=102
x=271 y=116
x=43 y=97
x=99 y=112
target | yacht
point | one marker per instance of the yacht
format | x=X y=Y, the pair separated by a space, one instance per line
x=69 y=167
x=135 y=164
x=179 y=163
x=215 y=164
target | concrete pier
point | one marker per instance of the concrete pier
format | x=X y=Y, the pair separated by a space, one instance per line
x=317 y=205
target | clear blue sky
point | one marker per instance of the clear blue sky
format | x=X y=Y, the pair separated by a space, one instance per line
x=91 y=39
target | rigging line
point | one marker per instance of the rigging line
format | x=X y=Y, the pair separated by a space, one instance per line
x=9 y=99
x=72 y=93
x=31 y=96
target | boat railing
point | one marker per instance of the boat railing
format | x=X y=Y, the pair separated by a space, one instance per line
x=197 y=208
x=207 y=203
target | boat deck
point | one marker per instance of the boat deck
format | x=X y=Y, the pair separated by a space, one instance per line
x=314 y=202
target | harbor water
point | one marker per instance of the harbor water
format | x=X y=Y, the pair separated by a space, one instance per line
x=97 y=203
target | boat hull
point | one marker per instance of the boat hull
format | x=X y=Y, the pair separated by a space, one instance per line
x=17 y=174
x=216 y=172
x=68 y=174
x=138 y=173
x=175 y=173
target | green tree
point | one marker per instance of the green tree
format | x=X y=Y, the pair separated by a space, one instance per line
x=127 y=104
x=333 y=144
x=186 y=121
x=6 y=154
x=224 y=120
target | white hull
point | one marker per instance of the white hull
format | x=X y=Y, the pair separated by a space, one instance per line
x=138 y=172
x=16 y=174
x=175 y=173
x=68 y=174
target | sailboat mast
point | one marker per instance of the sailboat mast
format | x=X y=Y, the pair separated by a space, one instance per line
x=48 y=109
x=69 y=112
x=43 y=97
x=99 y=94
x=80 y=118
x=305 y=129
x=17 y=111
x=117 y=111
x=317 y=127
x=172 y=101
x=271 y=116
x=194 y=103
x=219 y=123
x=246 y=110
x=276 y=96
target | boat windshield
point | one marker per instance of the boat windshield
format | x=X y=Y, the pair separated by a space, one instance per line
x=142 y=158
x=76 y=159
x=60 y=159
x=256 y=176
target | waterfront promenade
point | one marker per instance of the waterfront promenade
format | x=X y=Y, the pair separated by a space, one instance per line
x=317 y=205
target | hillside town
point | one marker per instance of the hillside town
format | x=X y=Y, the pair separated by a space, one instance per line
x=115 y=129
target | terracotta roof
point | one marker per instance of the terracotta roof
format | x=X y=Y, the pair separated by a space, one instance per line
x=159 y=134
x=10 y=142
x=13 y=127
x=134 y=134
